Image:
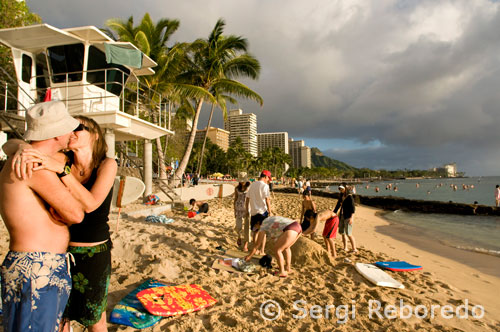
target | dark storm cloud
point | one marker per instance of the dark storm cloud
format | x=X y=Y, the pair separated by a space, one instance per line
x=417 y=76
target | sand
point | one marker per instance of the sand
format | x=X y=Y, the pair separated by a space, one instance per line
x=183 y=252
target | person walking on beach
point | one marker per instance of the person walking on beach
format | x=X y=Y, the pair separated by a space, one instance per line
x=37 y=212
x=258 y=201
x=90 y=181
x=497 y=195
x=329 y=231
x=240 y=213
x=285 y=231
x=346 y=216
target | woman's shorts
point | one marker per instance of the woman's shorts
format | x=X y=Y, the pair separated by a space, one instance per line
x=90 y=275
x=345 y=227
x=295 y=226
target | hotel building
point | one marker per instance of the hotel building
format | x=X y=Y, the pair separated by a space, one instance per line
x=243 y=125
x=301 y=154
x=218 y=136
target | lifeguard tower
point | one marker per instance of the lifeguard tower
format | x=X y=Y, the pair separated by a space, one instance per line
x=93 y=75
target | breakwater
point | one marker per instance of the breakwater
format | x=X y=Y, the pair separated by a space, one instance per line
x=392 y=203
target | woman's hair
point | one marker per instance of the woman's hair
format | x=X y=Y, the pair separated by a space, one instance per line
x=191 y=201
x=240 y=185
x=310 y=214
x=99 y=146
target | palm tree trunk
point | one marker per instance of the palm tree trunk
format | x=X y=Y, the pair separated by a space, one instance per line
x=205 y=139
x=185 y=159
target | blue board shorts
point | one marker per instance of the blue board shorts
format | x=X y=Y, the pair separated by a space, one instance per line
x=35 y=290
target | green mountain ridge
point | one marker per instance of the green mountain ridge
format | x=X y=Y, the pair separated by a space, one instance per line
x=320 y=160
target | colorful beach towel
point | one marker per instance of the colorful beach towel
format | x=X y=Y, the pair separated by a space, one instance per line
x=175 y=300
x=130 y=312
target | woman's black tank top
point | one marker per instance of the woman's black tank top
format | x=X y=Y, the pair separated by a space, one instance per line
x=94 y=227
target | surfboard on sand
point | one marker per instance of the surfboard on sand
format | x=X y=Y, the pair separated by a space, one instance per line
x=126 y=190
x=398 y=266
x=130 y=312
x=377 y=276
x=175 y=300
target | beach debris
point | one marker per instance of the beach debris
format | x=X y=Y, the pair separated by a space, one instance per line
x=161 y=219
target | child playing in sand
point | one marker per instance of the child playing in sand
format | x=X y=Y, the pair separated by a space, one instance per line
x=202 y=206
x=307 y=204
x=329 y=231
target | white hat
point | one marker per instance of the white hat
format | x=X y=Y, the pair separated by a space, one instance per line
x=242 y=177
x=48 y=120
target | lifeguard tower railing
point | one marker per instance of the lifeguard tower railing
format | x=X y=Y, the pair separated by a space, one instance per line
x=105 y=90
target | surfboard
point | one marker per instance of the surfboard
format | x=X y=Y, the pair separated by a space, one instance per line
x=126 y=190
x=130 y=312
x=377 y=276
x=398 y=266
x=175 y=300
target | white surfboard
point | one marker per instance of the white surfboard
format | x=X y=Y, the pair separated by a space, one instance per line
x=377 y=276
x=132 y=189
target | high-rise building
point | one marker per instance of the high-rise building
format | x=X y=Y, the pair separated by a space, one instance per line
x=300 y=154
x=272 y=140
x=218 y=136
x=243 y=125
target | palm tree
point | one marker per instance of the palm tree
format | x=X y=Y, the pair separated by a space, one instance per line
x=214 y=65
x=151 y=38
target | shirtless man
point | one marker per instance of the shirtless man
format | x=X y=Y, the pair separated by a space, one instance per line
x=329 y=231
x=35 y=278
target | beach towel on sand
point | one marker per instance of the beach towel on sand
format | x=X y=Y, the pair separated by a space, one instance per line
x=130 y=312
x=161 y=219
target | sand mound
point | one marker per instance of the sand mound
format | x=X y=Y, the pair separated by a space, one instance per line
x=308 y=252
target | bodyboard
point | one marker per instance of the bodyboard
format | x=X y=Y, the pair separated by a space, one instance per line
x=398 y=266
x=175 y=300
x=130 y=312
x=377 y=276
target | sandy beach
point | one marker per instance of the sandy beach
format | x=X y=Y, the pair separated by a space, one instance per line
x=182 y=252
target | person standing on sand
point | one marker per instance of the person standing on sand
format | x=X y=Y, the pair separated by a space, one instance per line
x=91 y=182
x=286 y=232
x=37 y=212
x=240 y=214
x=258 y=201
x=346 y=216
x=497 y=195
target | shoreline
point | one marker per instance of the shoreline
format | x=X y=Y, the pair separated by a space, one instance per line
x=412 y=235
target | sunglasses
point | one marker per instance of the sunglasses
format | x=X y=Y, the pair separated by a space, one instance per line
x=81 y=127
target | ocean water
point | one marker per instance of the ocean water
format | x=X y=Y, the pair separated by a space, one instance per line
x=475 y=233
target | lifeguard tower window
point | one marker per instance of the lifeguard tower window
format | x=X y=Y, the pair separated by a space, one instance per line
x=26 y=68
x=66 y=61
x=42 y=72
x=100 y=72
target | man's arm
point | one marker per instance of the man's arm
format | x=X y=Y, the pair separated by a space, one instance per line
x=50 y=189
x=268 y=204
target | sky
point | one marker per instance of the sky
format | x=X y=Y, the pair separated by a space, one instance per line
x=383 y=84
